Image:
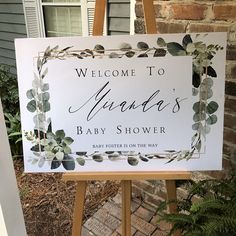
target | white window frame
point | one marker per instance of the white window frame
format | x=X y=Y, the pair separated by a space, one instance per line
x=84 y=4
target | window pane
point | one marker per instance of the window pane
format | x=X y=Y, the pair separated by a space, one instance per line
x=62 y=21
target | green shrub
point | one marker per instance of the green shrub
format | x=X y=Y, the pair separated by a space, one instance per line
x=214 y=214
x=14 y=134
x=8 y=91
x=10 y=102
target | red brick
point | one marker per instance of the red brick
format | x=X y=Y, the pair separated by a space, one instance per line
x=145 y=185
x=225 y=12
x=97 y=227
x=144 y=213
x=139 y=26
x=203 y=27
x=233 y=72
x=188 y=11
x=119 y=230
x=139 y=10
x=230 y=105
x=170 y=27
x=230 y=88
x=104 y=217
x=231 y=53
x=230 y=135
x=230 y=121
x=226 y=150
x=113 y=209
x=142 y=225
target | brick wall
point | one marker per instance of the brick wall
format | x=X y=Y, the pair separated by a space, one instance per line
x=180 y=16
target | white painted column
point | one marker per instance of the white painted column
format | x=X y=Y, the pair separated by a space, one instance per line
x=11 y=215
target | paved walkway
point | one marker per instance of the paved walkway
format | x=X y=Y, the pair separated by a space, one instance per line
x=107 y=220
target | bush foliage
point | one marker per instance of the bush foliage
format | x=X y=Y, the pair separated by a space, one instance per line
x=10 y=102
x=213 y=215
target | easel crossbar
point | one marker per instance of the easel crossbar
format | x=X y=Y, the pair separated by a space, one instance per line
x=165 y=175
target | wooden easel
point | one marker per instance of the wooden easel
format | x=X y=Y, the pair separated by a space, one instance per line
x=125 y=177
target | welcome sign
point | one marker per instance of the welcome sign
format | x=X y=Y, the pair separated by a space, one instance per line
x=122 y=103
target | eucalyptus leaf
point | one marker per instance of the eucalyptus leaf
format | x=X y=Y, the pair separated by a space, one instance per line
x=161 y=42
x=97 y=157
x=39 y=117
x=55 y=163
x=41 y=162
x=125 y=47
x=46 y=106
x=67 y=150
x=99 y=48
x=35 y=148
x=66 y=49
x=50 y=135
x=199 y=117
x=130 y=54
x=39 y=64
x=196 y=126
x=150 y=156
x=80 y=161
x=198 y=145
x=142 y=45
x=60 y=156
x=143 y=55
x=68 y=162
x=160 y=52
x=132 y=161
x=206 y=94
x=196 y=80
x=68 y=140
x=31 y=106
x=211 y=119
x=60 y=134
x=194 y=137
x=114 y=55
x=142 y=158
x=113 y=156
x=190 y=48
x=207 y=82
x=186 y=40
x=36 y=83
x=175 y=49
x=45 y=96
x=81 y=153
x=212 y=107
x=199 y=106
x=90 y=52
x=45 y=87
x=195 y=91
x=31 y=93
x=49 y=155
x=44 y=73
x=210 y=71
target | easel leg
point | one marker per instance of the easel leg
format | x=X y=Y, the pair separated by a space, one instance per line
x=126 y=207
x=79 y=208
x=171 y=195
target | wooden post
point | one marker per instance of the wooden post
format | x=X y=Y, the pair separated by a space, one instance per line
x=99 y=15
x=149 y=17
x=126 y=207
x=79 y=208
x=172 y=196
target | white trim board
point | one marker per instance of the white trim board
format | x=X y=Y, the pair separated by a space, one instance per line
x=12 y=222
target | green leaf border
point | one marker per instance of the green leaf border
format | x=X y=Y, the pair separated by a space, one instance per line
x=56 y=146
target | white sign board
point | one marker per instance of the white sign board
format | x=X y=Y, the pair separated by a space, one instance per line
x=122 y=103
